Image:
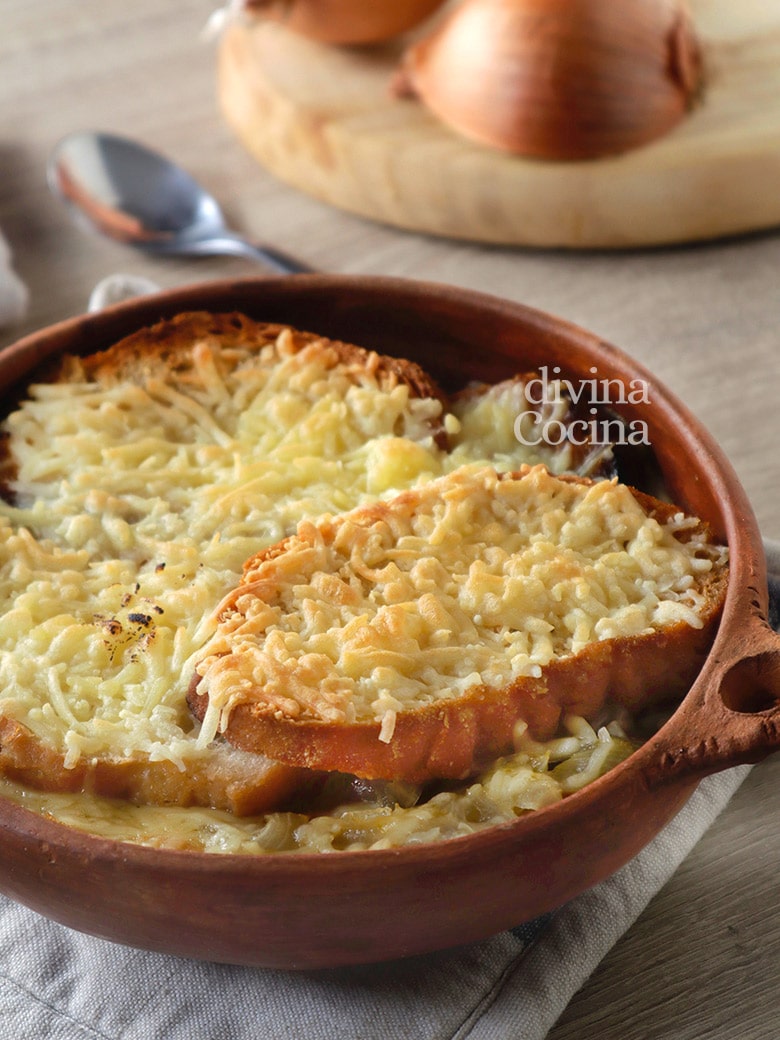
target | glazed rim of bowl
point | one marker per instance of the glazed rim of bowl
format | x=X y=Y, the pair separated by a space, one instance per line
x=270 y=299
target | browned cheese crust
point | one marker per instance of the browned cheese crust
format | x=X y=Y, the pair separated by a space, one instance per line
x=453 y=737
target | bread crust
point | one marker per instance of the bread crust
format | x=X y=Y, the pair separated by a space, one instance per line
x=454 y=737
x=166 y=350
x=226 y=778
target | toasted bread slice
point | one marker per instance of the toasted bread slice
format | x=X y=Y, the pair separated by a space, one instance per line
x=121 y=619
x=177 y=351
x=226 y=778
x=406 y=640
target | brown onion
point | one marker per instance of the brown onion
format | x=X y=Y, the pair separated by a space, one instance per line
x=558 y=79
x=345 y=21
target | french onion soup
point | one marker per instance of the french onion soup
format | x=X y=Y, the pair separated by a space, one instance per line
x=262 y=591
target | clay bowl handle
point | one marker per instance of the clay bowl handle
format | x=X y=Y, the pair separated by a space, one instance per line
x=732 y=714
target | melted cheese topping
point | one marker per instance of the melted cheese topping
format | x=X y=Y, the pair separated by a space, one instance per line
x=137 y=502
x=472 y=580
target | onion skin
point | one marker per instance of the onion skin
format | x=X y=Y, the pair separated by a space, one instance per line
x=345 y=21
x=558 y=79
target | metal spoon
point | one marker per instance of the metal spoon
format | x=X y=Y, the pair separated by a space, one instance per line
x=133 y=195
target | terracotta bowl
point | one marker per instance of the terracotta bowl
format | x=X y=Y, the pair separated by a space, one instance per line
x=306 y=911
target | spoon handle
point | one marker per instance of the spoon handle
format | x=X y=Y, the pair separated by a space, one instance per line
x=278 y=261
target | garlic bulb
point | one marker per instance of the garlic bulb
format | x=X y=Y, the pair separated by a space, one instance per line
x=345 y=21
x=558 y=79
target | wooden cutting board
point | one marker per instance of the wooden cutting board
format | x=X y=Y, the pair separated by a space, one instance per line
x=321 y=119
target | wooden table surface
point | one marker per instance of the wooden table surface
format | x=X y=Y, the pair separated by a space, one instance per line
x=703 y=960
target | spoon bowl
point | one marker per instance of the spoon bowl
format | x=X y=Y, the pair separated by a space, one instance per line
x=131 y=194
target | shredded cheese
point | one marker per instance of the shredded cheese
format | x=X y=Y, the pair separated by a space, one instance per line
x=473 y=580
x=136 y=502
